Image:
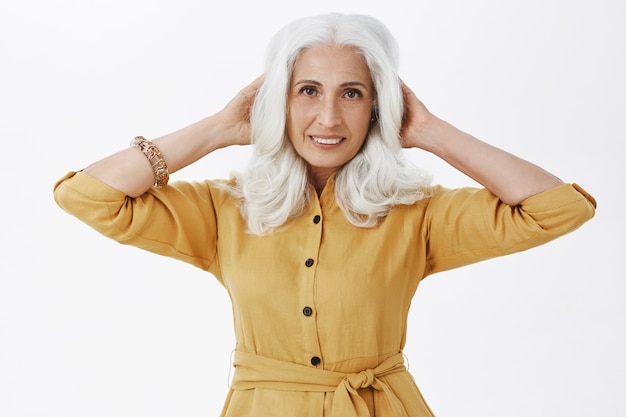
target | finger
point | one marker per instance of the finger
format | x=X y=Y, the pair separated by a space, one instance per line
x=406 y=91
x=251 y=90
x=408 y=94
x=257 y=83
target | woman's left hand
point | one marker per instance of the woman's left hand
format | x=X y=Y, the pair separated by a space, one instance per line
x=416 y=122
x=511 y=178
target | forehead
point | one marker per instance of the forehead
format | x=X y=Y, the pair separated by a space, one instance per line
x=328 y=63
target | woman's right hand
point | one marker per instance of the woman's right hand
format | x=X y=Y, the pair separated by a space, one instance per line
x=234 y=118
x=129 y=171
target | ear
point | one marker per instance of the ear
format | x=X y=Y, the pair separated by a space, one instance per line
x=375 y=114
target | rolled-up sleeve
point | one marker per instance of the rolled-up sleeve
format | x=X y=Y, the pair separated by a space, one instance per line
x=178 y=220
x=469 y=225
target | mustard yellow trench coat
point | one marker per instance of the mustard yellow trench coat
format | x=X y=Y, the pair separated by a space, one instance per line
x=320 y=306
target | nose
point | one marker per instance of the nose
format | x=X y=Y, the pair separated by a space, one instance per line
x=329 y=112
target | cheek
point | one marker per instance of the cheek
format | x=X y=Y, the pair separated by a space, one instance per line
x=361 y=123
x=294 y=115
x=298 y=119
x=291 y=121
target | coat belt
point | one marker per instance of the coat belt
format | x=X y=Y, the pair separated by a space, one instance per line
x=253 y=371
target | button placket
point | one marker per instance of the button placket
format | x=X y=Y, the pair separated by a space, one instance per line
x=309 y=244
x=307 y=282
x=308 y=311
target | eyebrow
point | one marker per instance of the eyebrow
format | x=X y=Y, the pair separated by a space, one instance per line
x=346 y=84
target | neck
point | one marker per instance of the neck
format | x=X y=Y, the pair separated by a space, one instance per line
x=319 y=177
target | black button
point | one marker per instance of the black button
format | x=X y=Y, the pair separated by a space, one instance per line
x=315 y=361
x=316 y=219
x=309 y=262
x=307 y=311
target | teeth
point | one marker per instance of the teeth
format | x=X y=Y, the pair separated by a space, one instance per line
x=327 y=141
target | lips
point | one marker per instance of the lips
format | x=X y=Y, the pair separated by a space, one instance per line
x=327 y=140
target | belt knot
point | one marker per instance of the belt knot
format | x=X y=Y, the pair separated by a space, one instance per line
x=253 y=371
x=362 y=379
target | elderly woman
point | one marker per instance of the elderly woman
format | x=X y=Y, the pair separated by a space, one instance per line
x=322 y=241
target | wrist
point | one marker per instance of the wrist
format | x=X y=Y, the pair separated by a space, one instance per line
x=214 y=134
x=431 y=134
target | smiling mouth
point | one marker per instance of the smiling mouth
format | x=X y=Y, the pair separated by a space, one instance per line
x=327 y=141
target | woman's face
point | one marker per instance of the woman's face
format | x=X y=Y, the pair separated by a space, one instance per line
x=330 y=102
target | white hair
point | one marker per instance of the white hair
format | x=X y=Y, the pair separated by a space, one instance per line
x=274 y=187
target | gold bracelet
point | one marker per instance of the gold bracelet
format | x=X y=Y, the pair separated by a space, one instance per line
x=161 y=174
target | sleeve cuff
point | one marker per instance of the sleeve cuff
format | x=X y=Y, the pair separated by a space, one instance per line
x=89 y=186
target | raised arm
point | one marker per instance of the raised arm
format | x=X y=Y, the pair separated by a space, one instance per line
x=510 y=178
x=130 y=172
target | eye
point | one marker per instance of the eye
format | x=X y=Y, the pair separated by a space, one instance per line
x=353 y=94
x=308 y=91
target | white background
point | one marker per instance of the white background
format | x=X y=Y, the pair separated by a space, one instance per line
x=92 y=328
